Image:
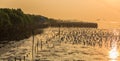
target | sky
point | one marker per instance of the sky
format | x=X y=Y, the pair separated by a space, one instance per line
x=101 y=11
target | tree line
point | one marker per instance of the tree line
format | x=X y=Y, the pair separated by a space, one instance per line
x=16 y=25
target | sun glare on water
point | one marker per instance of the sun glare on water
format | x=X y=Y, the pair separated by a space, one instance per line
x=113 y=54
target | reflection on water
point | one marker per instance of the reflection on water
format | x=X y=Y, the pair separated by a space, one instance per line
x=113 y=53
x=113 y=60
x=70 y=45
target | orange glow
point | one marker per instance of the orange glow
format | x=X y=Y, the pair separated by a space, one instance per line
x=103 y=11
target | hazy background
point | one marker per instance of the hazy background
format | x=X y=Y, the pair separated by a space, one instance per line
x=105 y=12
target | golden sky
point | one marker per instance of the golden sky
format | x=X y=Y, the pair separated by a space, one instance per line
x=101 y=11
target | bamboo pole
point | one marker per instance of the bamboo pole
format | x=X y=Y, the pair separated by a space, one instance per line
x=33 y=46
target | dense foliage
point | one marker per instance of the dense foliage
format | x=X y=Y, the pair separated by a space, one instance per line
x=12 y=17
x=15 y=25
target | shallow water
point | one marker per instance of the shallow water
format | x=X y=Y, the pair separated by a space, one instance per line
x=49 y=46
